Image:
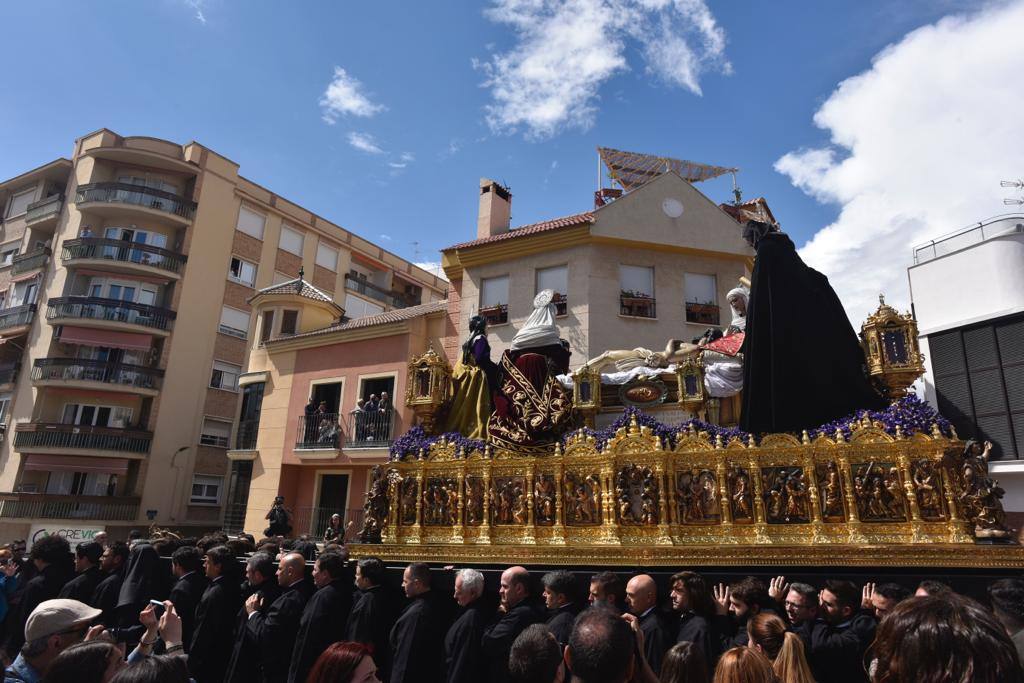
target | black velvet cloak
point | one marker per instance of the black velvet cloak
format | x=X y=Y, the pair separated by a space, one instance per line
x=802 y=361
x=322 y=623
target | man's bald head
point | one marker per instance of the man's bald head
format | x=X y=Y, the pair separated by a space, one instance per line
x=515 y=586
x=290 y=569
x=641 y=594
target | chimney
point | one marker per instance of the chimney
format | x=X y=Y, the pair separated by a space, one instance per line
x=495 y=209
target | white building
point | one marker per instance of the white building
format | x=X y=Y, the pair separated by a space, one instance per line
x=967 y=290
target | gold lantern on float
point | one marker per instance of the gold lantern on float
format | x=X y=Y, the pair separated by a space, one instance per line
x=427 y=387
x=690 y=375
x=586 y=393
x=890 y=346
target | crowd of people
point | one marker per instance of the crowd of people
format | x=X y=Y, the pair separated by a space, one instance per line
x=216 y=609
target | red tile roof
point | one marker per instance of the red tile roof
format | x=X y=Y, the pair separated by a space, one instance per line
x=298 y=287
x=532 y=229
x=397 y=315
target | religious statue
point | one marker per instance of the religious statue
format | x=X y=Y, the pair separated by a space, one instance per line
x=829 y=483
x=793 y=381
x=879 y=494
x=407 y=513
x=741 y=497
x=544 y=500
x=697 y=496
x=796 y=497
x=519 y=510
x=473 y=379
x=474 y=501
x=927 y=488
x=375 y=509
x=979 y=496
x=786 y=496
x=637 y=493
x=582 y=498
x=509 y=501
x=531 y=408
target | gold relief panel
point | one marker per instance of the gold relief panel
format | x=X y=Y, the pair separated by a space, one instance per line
x=440 y=501
x=741 y=495
x=544 y=500
x=582 y=499
x=927 y=480
x=878 y=492
x=697 y=497
x=636 y=495
x=830 y=492
x=474 y=512
x=786 y=500
x=407 y=501
x=508 y=501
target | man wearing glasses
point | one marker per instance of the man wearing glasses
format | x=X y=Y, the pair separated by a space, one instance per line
x=51 y=628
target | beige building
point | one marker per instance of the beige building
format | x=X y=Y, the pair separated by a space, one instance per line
x=654 y=264
x=120 y=404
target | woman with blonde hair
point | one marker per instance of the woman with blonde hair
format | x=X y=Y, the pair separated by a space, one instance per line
x=784 y=648
x=744 y=665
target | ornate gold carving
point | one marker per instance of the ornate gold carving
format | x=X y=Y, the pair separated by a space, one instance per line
x=889 y=341
x=427 y=389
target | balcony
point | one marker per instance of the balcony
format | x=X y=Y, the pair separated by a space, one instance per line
x=51 y=506
x=16 y=320
x=151 y=200
x=97 y=374
x=45 y=211
x=389 y=297
x=331 y=431
x=370 y=430
x=495 y=315
x=121 y=256
x=637 y=305
x=110 y=313
x=318 y=431
x=701 y=314
x=38 y=436
x=30 y=260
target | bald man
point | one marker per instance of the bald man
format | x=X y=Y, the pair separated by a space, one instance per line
x=274 y=628
x=642 y=600
x=517 y=611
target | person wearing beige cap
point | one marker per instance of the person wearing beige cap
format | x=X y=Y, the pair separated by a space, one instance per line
x=52 y=627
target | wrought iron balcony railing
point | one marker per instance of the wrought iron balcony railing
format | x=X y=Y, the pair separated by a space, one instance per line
x=374 y=429
x=318 y=430
x=44 y=208
x=30 y=260
x=43 y=435
x=16 y=316
x=139 y=195
x=50 y=506
x=78 y=369
x=95 y=308
x=122 y=251
x=637 y=306
x=367 y=288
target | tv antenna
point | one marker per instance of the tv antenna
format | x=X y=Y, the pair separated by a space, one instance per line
x=1018 y=184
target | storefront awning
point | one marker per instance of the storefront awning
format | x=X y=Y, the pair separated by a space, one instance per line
x=85 y=336
x=75 y=463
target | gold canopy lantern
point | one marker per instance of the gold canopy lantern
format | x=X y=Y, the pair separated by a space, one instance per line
x=893 y=357
x=429 y=377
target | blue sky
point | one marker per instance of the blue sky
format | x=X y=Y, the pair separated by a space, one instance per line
x=247 y=80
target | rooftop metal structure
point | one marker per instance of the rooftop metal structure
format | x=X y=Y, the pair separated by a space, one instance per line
x=630 y=170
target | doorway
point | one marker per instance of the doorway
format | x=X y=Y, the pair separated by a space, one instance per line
x=329 y=393
x=333 y=499
x=377 y=386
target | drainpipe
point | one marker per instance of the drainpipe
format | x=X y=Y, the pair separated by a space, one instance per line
x=175 y=500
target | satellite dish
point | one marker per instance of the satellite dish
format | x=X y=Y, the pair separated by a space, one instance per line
x=673 y=208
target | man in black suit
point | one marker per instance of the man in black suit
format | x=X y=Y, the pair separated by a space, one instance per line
x=213 y=638
x=373 y=613
x=642 y=601
x=517 y=611
x=87 y=566
x=561 y=597
x=417 y=639
x=323 y=621
x=50 y=556
x=112 y=563
x=187 y=566
x=274 y=627
x=259 y=580
x=465 y=663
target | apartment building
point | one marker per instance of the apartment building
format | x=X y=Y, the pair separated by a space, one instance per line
x=120 y=404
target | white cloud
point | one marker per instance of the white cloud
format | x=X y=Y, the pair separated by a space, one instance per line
x=197 y=5
x=432 y=267
x=919 y=143
x=364 y=142
x=344 y=96
x=386 y=238
x=567 y=49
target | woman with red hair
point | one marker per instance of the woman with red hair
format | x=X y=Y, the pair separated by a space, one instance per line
x=344 y=663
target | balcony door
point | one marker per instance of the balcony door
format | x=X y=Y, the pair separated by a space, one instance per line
x=332 y=499
x=133 y=235
x=96 y=416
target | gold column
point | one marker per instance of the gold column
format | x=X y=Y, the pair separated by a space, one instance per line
x=417 y=528
x=458 y=531
x=725 y=503
x=760 y=518
x=817 y=525
x=610 y=528
x=531 y=518
x=558 y=531
x=958 y=529
x=390 y=533
x=485 y=523
x=856 y=533
x=917 y=530
x=664 y=537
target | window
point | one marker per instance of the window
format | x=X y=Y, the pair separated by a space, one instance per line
x=215 y=433
x=153 y=183
x=251 y=223
x=81 y=484
x=360 y=308
x=225 y=376
x=636 y=291
x=8 y=252
x=494 y=299
x=117 y=417
x=5 y=407
x=267 y=327
x=289 y=322
x=205 y=489
x=234 y=322
x=19 y=202
x=327 y=257
x=557 y=279
x=242 y=272
x=701 y=299
x=291 y=240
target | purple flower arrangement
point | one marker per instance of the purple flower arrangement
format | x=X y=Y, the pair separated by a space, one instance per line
x=908 y=415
